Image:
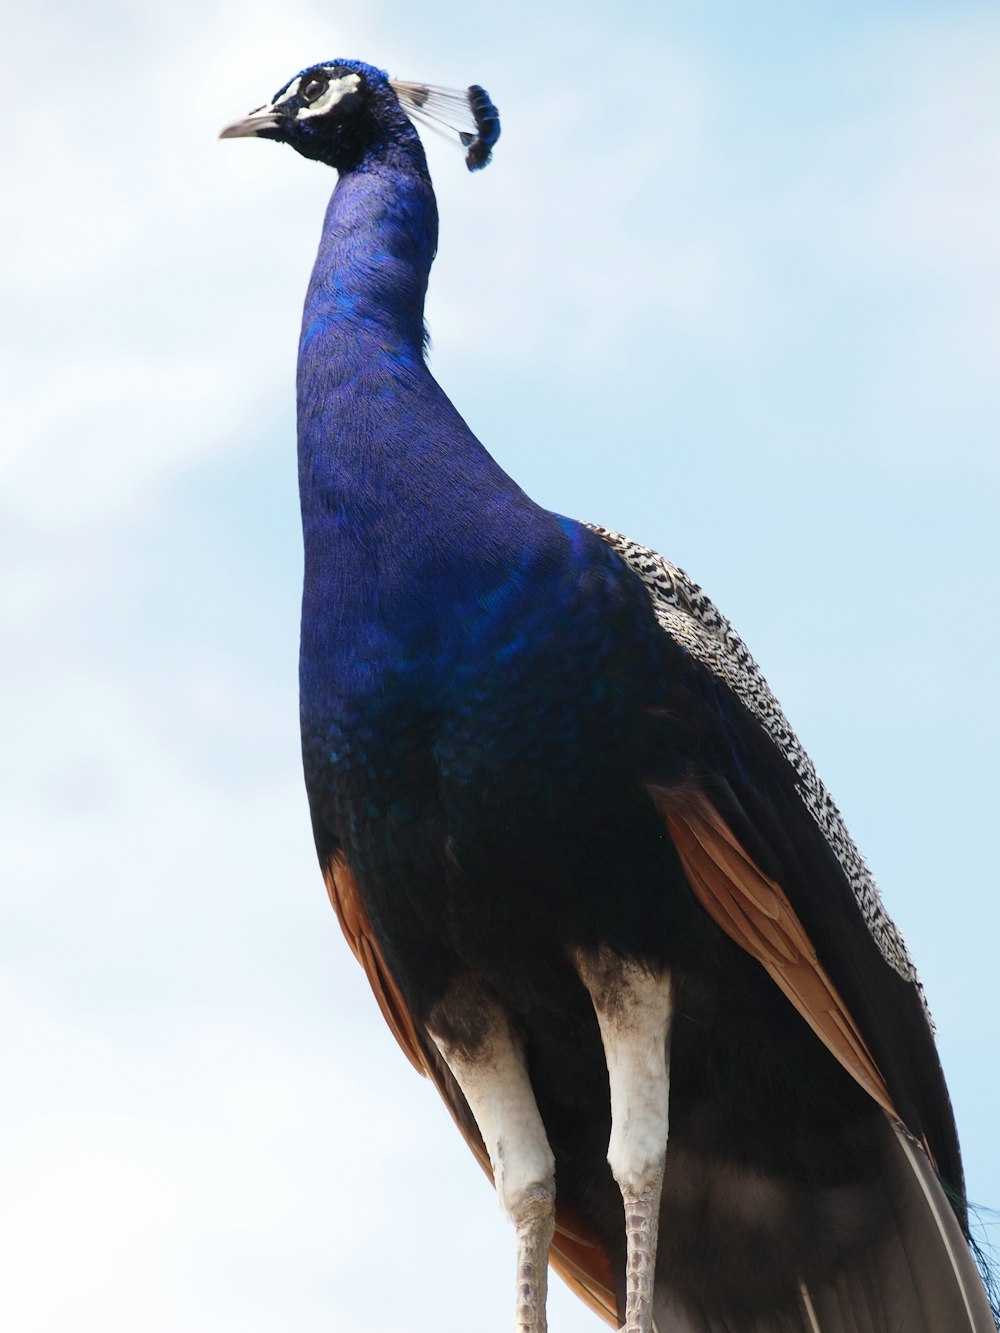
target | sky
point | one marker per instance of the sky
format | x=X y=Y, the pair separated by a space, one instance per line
x=732 y=286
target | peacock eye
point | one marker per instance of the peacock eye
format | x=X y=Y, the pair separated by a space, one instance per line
x=313 y=89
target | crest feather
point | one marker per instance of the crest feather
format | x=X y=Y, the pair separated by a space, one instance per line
x=467 y=114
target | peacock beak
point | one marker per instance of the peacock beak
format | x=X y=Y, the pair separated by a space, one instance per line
x=262 y=118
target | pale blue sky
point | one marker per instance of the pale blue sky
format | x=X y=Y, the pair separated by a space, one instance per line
x=732 y=286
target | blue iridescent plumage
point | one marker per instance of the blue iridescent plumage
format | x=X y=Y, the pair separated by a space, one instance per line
x=551 y=794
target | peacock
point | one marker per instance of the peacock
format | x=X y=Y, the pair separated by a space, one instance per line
x=602 y=897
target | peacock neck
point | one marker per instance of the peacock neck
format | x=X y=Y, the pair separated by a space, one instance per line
x=408 y=522
x=370 y=277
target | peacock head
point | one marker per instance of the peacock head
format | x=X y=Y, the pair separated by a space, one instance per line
x=345 y=113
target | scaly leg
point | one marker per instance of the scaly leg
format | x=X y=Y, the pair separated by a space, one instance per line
x=473 y=1033
x=634 y=1010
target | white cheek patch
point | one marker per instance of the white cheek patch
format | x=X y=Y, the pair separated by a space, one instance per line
x=289 y=92
x=338 y=89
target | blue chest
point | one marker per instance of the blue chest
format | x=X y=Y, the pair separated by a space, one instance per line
x=476 y=672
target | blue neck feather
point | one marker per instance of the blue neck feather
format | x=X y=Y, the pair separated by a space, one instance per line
x=411 y=530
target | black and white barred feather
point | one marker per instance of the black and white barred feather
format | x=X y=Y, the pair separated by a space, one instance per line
x=692 y=620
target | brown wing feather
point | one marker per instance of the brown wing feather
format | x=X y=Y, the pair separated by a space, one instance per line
x=585 y=1268
x=576 y=1255
x=346 y=899
x=754 y=911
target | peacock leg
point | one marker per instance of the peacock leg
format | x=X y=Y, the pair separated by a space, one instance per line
x=634 y=1010
x=474 y=1035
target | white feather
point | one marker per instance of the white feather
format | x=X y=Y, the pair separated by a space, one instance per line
x=945 y=1226
x=444 y=110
